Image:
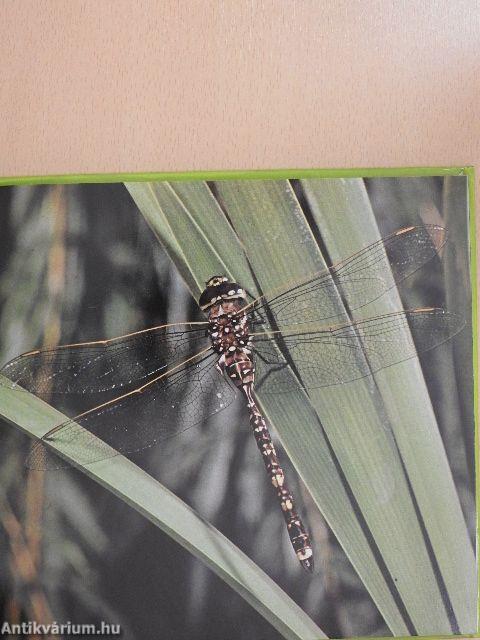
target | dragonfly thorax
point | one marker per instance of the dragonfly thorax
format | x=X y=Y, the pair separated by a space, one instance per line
x=229 y=332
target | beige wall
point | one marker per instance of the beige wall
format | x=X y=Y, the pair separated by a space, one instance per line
x=109 y=86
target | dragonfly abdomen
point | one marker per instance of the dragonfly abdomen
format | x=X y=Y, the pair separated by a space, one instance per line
x=296 y=531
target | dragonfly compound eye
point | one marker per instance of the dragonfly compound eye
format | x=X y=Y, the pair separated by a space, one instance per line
x=218 y=289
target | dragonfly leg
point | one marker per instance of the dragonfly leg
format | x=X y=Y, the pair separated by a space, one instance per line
x=298 y=536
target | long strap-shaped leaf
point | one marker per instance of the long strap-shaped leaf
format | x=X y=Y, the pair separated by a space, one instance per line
x=150 y=498
x=352 y=465
x=409 y=413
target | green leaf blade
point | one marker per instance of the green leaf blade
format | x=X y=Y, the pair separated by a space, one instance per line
x=170 y=514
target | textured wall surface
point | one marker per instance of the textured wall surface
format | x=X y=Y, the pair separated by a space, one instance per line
x=195 y=84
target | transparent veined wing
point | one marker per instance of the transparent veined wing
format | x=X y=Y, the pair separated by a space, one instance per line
x=161 y=408
x=105 y=366
x=359 y=279
x=322 y=356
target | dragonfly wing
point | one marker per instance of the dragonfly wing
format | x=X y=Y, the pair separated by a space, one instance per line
x=360 y=279
x=322 y=357
x=105 y=367
x=138 y=419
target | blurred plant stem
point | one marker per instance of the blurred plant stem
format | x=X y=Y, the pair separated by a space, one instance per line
x=22 y=566
x=34 y=498
x=26 y=535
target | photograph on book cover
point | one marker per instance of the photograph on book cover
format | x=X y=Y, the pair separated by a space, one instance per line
x=239 y=405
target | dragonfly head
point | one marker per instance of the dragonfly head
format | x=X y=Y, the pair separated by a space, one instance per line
x=219 y=289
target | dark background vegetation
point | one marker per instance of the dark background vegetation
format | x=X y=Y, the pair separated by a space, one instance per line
x=79 y=262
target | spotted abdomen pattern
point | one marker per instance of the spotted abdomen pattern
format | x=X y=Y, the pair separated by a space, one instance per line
x=296 y=531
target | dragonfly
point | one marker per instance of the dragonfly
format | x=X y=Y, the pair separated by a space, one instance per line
x=149 y=385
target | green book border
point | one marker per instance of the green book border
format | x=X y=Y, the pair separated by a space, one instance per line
x=260 y=174
x=279 y=174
